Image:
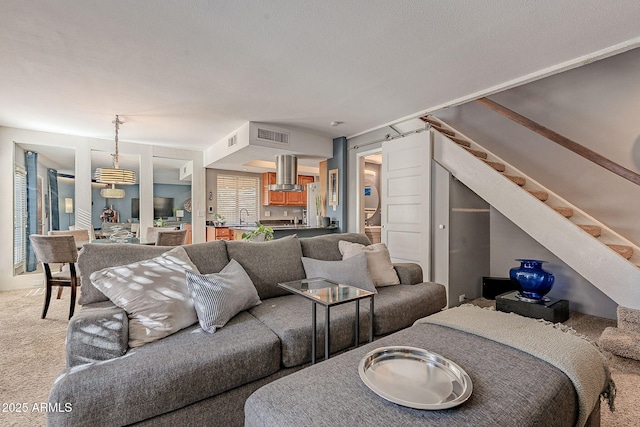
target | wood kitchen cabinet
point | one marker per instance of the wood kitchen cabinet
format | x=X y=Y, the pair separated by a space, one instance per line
x=189 y=237
x=219 y=233
x=282 y=198
x=271 y=198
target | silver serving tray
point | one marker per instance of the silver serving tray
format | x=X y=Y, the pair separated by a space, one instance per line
x=415 y=377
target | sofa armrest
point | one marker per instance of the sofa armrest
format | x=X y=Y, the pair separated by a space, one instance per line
x=409 y=273
x=97 y=332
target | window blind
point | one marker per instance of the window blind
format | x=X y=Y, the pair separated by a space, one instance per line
x=236 y=192
x=19 y=218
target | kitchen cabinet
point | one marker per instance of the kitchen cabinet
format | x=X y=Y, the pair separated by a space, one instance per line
x=219 y=233
x=281 y=198
x=189 y=237
x=271 y=198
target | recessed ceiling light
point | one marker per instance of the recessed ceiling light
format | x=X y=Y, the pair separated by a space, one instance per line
x=336 y=123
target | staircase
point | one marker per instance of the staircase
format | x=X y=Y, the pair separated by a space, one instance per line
x=602 y=256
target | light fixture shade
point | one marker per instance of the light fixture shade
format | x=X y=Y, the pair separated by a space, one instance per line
x=179 y=213
x=112 y=193
x=115 y=176
x=68 y=205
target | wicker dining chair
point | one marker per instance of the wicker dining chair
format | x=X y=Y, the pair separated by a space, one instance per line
x=57 y=249
x=171 y=237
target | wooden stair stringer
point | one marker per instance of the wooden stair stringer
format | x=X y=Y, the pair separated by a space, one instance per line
x=615 y=276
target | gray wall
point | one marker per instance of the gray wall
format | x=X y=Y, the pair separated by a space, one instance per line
x=596 y=106
x=509 y=242
x=339 y=161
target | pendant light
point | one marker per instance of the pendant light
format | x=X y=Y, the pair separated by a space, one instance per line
x=114 y=175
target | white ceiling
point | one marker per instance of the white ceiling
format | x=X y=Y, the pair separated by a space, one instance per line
x=187 y=73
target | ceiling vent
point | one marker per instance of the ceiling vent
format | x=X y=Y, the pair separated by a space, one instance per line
x=286 y=174
x=273 y=136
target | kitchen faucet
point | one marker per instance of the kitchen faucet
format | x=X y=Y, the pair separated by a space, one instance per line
x=240 y=213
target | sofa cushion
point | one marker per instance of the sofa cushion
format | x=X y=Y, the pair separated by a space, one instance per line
x=378 y=261
x=209 y=257
x=269 y=263
x=325 y=247
x=167 y=375
x=96 y=256
x=352 y=271
x=289 y=317
x=397 y=307
x=153 y=293
x=218 y=297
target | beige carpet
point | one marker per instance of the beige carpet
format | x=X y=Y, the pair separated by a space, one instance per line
x=32 y=355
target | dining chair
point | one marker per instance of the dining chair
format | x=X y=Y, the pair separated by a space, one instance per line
x=152 y=233
x=80 y=236
x=171 y=237
x=57 y=249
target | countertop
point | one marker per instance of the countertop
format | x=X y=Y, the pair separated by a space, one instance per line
x=275 y=227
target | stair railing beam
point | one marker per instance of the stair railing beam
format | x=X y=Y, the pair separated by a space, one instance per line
x=563 y=141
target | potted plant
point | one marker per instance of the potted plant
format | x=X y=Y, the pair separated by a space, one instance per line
x=218 y=220
x=262 y=233
x=160 y=222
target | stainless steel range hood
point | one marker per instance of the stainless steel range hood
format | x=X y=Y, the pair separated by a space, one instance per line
x=286 y=174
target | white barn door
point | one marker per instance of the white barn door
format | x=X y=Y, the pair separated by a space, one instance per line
x=406 y=195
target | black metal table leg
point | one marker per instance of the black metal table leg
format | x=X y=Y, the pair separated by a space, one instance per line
x=313 y=334
x=371 y=320
x=357 y=334
x=326 y=334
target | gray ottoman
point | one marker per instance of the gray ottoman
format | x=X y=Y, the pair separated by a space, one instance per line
x=510 y=388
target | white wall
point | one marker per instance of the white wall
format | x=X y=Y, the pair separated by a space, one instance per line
x=83 y=173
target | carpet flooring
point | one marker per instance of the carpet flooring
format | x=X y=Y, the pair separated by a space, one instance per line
x=32 y=356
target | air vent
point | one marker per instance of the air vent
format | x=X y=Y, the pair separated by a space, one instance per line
x=232 y=141
x=273 y=136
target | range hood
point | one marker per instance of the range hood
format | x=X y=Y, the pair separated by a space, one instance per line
x=286 y=174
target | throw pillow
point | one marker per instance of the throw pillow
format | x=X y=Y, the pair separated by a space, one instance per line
x=153 y=293
x=220 y=296
x=378 y=261
x=352 y=271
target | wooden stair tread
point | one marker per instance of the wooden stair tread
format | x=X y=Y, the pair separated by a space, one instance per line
x=443 y=130
x=430 y=120
x=437 y=125
x=476 y=153
x=540 y=195
x=517 y=179
x=565 y=212
x=594 y=230
x=624 y=251
x=460 y=141
x=500 y=167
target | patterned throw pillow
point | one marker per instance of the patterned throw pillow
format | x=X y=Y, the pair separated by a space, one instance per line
x=153 y=293
x=220 y=296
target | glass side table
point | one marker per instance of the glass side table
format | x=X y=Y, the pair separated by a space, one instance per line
x=329 y=294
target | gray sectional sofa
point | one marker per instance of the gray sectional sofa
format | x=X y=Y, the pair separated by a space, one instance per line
x=196 y=378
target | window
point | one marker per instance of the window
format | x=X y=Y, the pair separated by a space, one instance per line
x=236 y=192
x=19 y=219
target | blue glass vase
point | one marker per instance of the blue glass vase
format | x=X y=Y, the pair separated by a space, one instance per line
x=533 y=280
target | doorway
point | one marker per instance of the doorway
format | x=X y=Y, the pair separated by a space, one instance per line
x=369 y=201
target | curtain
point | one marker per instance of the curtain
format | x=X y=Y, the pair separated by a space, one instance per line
x=31 y=162
x=53 y=198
